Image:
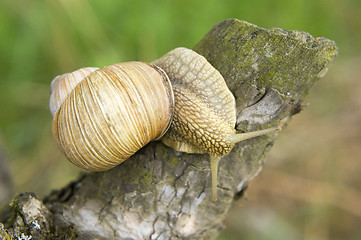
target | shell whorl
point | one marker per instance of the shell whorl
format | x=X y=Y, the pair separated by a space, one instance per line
x=63 y=84
x=112 y=113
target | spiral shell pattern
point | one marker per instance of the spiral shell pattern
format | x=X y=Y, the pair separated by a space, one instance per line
x=111 y=113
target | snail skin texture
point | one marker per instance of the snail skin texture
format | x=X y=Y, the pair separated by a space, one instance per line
x=103 y=116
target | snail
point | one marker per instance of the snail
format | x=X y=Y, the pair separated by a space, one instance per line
x=103 y=116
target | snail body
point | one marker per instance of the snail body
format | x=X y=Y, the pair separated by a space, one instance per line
x=113 y=111
x=205 y=109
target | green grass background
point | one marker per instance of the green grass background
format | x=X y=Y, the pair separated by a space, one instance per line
x=310 y=186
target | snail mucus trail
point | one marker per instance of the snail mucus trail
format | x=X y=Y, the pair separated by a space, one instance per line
x=103 y=116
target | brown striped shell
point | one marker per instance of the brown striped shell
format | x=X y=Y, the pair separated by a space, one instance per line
x=110 y=113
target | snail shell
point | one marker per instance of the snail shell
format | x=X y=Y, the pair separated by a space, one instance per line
x=110 y=113
x=62 y=85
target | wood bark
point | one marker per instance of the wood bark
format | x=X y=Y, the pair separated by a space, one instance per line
x=162 y=194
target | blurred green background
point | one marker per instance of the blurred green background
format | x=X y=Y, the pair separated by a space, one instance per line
x=311 y=184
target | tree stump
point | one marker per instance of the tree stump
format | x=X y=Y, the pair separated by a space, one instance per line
x=162 y=194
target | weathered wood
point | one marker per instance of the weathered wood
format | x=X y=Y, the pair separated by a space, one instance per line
x=162 y=194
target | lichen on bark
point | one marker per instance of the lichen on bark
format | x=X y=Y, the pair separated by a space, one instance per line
x=162 y=194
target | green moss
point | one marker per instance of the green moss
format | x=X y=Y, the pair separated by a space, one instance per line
x=173 y=161
x=145 y=179
x=164 y=153
x=254 y=59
